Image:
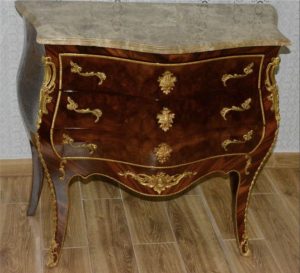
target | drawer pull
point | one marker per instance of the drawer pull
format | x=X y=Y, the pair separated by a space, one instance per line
x=247 y=71
x=167 y=82
x=163 y=152
x=75 y=68
x=272 y=86
x=244 y=106
x=72 y=106
x=158 y=182
x=165 y=119
x=246 y=137
x=67 y=140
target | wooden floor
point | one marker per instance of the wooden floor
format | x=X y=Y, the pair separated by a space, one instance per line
x=111 y=231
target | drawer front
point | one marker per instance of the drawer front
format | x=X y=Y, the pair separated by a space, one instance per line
x=138 y=131
x=160 y=115
x=103 y=74
x=209 y=111
x=151 y=151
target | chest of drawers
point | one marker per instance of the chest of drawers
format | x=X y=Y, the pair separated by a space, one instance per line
x=154 y=106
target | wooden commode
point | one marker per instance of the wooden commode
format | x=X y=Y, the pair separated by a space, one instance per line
x=152 y=96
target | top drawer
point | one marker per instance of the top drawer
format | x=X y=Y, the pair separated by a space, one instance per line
x=97 y=73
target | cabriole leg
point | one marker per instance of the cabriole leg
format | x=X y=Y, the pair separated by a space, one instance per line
x=241 y=189
x=37 y=181
x=60 y=220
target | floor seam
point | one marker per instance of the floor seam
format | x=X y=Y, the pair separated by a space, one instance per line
x=85 y=227
x=176 y=242
x=130 y=233
x=217 y=231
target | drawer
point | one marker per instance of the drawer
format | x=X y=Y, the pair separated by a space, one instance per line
x=153 y=149
x=114 y=112
x=103 y=74
x=156 y=120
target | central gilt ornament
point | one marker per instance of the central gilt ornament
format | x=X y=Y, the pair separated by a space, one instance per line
x=158 y=182
x=163 y=152
x=165 y=119
x=167 y=82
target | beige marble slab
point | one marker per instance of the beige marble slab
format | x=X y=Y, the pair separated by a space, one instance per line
x=153 y=27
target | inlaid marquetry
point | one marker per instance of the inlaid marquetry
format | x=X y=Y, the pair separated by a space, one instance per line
x=154 y=107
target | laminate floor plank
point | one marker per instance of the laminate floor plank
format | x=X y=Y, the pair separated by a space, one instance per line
x=15 y=189
x=76 y=235
x=195 y=190
x=73 y=260
x=198 y=243
x=287 y=182
x=15 y=167
x=148 y=220
x=97 y=189
x=20 y=240
x=110 y=245
x=159 y=258
x=280 y=229
x=273 y=219
x=286 y=160
x=217 y=193
x=263 y=183
x=261 y=259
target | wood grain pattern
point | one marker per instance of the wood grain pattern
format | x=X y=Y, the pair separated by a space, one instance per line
x=75 y=236
x=286 y=182
x=98 y=189
x=218 y=196
x=24 y=255
x=264 y=183
x=15 y=167
x=73 y=260
x=23 y=167
x=15 y=189
x=110 y=246
x=280 y=229
x=159 y=258
x=147 y=220
x=284 y=160
x=130 y=132
x=20 y=239
x=197 y=241
x=261 y=260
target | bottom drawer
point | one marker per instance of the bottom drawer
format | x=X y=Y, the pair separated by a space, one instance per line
x=151 y=150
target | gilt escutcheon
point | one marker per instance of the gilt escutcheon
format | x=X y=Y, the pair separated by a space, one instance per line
x=165 y=119
x=167 y=82
x=163 y=152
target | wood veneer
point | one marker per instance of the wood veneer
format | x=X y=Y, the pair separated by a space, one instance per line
x=129 y=132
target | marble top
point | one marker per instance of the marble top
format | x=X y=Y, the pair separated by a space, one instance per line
x=153 y=27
